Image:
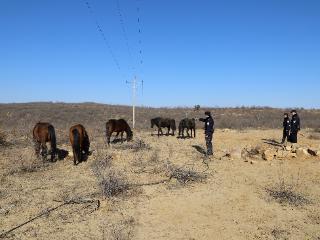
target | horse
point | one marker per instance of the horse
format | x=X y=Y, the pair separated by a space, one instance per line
x=80 y=143
x=189 y=124
x=42 y=133
x=164 y=122
x=118 y=126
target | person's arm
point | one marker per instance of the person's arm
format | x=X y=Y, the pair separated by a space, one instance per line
x=298 y=124
x=202 y=119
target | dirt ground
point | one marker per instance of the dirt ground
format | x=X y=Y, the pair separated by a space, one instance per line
x=228 y=199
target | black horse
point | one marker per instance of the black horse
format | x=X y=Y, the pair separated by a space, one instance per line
x=189 y=124
x=164 y=123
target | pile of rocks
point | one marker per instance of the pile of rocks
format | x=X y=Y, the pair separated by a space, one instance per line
x=251 y=154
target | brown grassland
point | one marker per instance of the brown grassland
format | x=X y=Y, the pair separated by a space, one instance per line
x=158 y=188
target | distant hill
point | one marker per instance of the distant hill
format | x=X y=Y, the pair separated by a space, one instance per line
x=94 y=115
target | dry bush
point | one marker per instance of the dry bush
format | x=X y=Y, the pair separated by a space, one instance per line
x=135 y=146
x=111 y=182
x=122 y=230
x=186 y=175
x=27 y=164
x=287 y=191
x=113 y=185
x=3 y=140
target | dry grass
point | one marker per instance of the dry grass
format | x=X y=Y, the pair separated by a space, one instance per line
x=93 y=115
x=288 y=190
x=131 y=180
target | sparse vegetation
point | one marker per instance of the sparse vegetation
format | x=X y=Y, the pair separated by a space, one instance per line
x=61 y=115
x=113 y=185
x=287 y=191
x=3 y=141
x=186 y=175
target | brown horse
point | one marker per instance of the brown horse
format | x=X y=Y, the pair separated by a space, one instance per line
x=80 y=143
x=118 y=126
x=43 y=133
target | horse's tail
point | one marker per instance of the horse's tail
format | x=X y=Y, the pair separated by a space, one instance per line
x=53 y=141
x=76 y=146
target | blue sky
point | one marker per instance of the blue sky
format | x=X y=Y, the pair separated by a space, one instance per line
x=212 y=53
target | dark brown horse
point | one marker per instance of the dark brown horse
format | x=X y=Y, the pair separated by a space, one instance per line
x=164 y=123
x=189 y=124
x=118 y=126
x=43 y=133
x=80 y=143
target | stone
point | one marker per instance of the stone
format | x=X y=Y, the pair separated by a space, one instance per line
x=236 y=153
x=269 y=154
x=313 y=152
x=302 y=152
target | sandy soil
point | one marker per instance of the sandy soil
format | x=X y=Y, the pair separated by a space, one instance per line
x=231 y=203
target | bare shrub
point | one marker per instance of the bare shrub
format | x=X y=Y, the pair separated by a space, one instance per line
x=111 y=182
x=186 y=175
x=27 y=164
x=287 y=191
x=136 y=145
x=122 y=230
x=3 y=140
x=113 y=185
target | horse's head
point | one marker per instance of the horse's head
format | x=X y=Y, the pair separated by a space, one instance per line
x=129 y=135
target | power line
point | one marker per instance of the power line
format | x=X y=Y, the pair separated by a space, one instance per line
x=104 y=38
x=125 y=35
x=139 y=33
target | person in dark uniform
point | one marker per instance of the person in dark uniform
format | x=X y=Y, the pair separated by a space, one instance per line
x=295 y=126
x=209 y=129
x=286 y=128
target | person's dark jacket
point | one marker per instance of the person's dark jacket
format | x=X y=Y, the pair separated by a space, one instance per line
x=286 y=124
x=295 y=124
x=209 y=124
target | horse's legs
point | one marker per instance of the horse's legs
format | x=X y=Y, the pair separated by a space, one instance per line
x=122 y=137
x=168 y=131
x=37 y=146
x=44 y=151
x=188 y=132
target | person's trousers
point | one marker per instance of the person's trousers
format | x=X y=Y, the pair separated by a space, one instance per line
x=293 y=137
x=285 y=136
x=208 y=138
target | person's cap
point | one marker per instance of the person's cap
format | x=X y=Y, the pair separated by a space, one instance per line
x=294 y=111
x=207 y=113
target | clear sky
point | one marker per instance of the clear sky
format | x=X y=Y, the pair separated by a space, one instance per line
x=212 y=53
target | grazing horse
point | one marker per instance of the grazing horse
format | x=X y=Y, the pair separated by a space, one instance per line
x=164 y=123
x=43 y=133
x=118 y=126
x=189 y=124
x=80 y=143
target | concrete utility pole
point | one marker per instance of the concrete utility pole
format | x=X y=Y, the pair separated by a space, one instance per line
x=134 y=90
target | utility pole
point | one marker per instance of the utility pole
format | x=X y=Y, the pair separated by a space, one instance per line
x=134 y=92
x=134 y=86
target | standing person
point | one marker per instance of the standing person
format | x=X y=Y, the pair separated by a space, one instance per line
x=209 y=129
x=295 y=126
x=286 y=128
